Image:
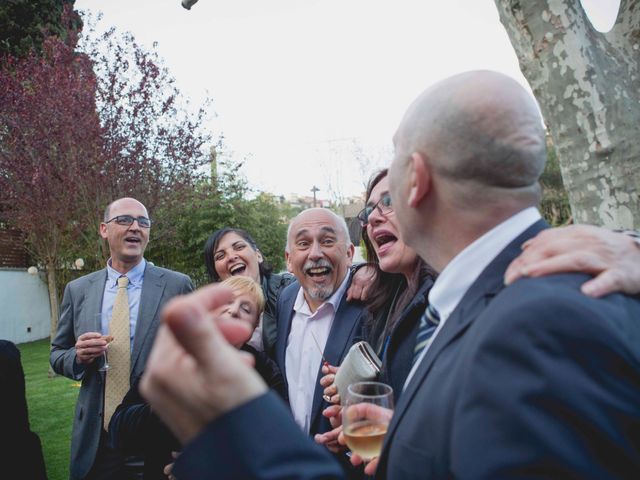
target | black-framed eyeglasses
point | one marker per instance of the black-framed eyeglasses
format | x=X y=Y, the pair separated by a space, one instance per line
x=126 y=220
x=383 y=205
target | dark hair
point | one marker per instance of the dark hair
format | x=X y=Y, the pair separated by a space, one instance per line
x=211 y=245
x=390 y=292
x=385 y=284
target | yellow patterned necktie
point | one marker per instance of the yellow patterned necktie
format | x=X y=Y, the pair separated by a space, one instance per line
x=117 y=376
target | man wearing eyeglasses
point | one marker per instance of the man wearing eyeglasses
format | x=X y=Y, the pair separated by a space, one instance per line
x=121 y=301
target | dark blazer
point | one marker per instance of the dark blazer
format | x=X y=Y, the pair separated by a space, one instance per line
x=259 y=439
x=20 y=449
x=272 y=285
x=135 y=430
x=81 y=302
x=534 y=380
x=345 y=331
x=531 y=381
x=398 y=356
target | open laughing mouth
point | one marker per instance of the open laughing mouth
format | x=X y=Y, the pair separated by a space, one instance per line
x=384 y=240
x=237 y=269
x=318 y=271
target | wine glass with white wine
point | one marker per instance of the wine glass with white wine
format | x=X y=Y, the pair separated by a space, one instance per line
x=366 y=413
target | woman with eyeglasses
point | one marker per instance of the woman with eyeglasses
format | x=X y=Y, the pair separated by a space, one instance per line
x=396 y=298
x=398 y=292
x=399 y=272
x=398 y=285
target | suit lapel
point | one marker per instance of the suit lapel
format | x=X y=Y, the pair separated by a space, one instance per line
x=419 y=298
x=487 y=285
x=341 y=337
x=152 y=289
x=396 y=358
x=93 y=302
x=285 y=315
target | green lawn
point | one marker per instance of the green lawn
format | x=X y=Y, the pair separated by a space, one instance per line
x=51 y=405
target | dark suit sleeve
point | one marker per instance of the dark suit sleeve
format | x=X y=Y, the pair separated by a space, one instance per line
x=269 y=371
x=552 y=390
x=20 y=449
x=136 y=430
x=187 y=285
x=257 y=440
x=63 y=351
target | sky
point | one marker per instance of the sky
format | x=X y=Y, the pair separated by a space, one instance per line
x=310 y=92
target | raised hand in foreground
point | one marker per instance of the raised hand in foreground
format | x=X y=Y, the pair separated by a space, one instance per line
x=194 y=374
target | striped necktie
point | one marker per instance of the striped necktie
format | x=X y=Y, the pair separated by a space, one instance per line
x=117 y=383
x=428 y=324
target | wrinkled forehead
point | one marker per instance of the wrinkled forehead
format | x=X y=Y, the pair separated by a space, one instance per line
x=315 y=223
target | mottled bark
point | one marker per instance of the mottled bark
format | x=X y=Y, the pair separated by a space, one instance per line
x=53 y=304
x=588 y=86
x=53 y=297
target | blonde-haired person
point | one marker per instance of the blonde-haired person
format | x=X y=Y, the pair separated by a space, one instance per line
x=247 y=306
x=137 y=431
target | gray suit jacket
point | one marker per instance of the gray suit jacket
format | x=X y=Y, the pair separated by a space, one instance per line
x=81 y=302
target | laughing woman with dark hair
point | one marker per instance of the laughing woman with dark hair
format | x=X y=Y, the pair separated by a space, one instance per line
x=232 y=251
x=397 y=294
x=399 y=272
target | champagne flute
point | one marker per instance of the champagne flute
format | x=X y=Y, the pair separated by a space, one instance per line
x=105 y=364
x=108 y=338
x=366 y=413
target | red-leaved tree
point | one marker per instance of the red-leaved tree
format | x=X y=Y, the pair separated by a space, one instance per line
x=80 y=129
x=154 y=141
x=50 y=150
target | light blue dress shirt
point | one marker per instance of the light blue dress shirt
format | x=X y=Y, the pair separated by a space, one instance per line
x=134 y=290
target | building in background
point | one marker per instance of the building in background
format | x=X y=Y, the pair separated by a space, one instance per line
x=25 y=314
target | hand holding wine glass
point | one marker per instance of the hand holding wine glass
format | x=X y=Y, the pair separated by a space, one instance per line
x=89 y=346
x=105 y=364
x=367 y=411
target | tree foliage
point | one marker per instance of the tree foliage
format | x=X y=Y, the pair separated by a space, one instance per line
x=24 y=24
x=223 y=201
x=154 y=141
x=78 y=130
x=50 y=149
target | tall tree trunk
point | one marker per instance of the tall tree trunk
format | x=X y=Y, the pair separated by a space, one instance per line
x=53 y=303
x=588 y=86
x=53 y=297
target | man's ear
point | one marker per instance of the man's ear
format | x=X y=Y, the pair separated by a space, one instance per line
x=420 y=179
x=287 y=259
x=351 y=250
x=103 y=230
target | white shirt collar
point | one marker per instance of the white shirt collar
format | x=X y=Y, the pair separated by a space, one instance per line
x=466 y=267
x=135 y=275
